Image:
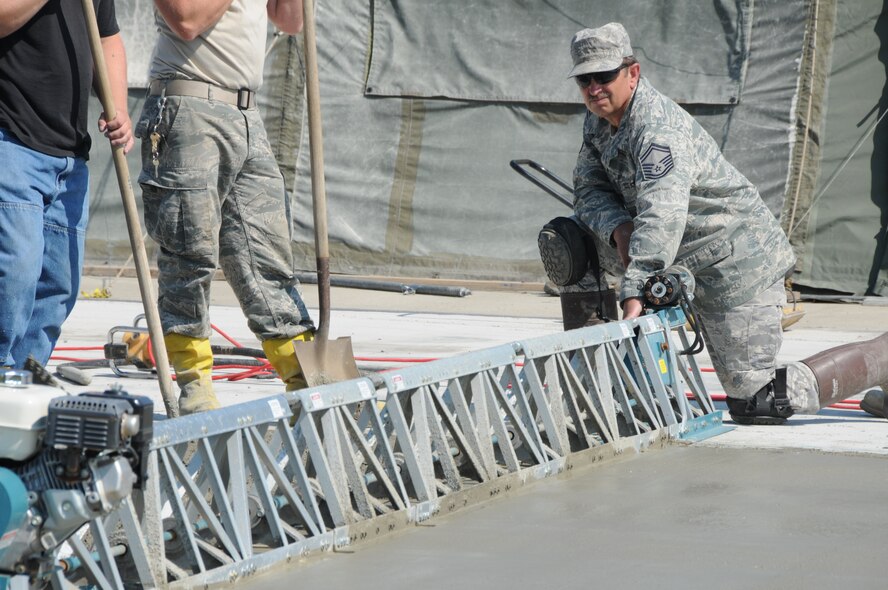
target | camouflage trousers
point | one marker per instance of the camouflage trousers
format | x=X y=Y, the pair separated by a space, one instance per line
x=214 y=197
x=743 y=342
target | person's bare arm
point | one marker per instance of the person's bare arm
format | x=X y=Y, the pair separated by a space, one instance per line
x=119 y=129
x=621 y=237
x=15 y=13
x=286 y=15
x=190 y=18
x=632 y=308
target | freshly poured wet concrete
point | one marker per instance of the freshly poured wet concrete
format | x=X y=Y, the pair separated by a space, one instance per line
x=677 y=517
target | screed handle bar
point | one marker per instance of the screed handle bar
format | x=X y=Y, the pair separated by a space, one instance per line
x=519 y=167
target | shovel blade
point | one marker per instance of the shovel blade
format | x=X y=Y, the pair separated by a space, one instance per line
x=326 y=361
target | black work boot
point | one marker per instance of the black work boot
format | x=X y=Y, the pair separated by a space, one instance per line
x=579 y=310
x=875 y=402
x=769 y=406
x=847 y=370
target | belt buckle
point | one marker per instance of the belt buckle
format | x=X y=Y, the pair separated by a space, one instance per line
x=244 y=98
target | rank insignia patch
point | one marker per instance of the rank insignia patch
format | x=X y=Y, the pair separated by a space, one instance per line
x=656 y=162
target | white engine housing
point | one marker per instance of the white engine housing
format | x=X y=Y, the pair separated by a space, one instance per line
x=23 y=409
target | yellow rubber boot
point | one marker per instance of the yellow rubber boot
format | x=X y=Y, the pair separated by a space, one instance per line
x=192 y=359
x=282 y=356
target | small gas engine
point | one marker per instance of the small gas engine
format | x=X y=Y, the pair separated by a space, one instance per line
x=64 y=460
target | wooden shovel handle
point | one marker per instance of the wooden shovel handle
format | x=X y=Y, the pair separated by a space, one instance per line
x=318 y=190
x=133 y=225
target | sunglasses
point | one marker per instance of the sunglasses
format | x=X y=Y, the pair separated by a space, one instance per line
x=600 y=78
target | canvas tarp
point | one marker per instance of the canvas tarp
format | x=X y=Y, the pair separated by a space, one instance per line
x=840 y=229
x=421 y=186
x=425 y=104
x=516 y=50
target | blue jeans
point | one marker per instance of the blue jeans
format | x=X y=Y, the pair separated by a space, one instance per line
x=44 y=207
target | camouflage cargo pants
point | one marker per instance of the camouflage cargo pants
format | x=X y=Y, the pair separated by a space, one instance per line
x=743 y=342
x=214 y=197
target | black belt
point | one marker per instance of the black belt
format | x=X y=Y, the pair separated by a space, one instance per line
x=242 y=99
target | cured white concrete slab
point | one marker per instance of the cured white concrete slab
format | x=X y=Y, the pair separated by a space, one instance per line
x=796 y=506
x=391 y=328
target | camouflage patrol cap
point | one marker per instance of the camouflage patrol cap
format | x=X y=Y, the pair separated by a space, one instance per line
x=599 y=50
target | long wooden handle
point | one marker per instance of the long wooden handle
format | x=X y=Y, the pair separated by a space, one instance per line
x=318 y=190
x=134 y=227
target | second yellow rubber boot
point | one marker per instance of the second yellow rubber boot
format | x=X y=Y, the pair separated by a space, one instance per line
x=282 y=356
x=192 y=359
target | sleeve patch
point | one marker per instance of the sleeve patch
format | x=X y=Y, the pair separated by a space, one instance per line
x=656 y=162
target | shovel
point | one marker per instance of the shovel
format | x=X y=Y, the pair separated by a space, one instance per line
x=134 y=227
x=322 y=360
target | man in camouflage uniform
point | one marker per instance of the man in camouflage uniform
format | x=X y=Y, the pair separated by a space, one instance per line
x=654 y=190
x=212 y=189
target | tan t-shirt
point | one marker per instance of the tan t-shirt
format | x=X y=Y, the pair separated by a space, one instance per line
x=230 y=54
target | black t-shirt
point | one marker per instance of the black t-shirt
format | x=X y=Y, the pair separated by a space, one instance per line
x=45 y=77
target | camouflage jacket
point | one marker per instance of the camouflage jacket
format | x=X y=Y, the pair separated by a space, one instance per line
x=662 y=171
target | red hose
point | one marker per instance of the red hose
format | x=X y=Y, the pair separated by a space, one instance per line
x=848 y=404
x=68 y=348
x=226 y=336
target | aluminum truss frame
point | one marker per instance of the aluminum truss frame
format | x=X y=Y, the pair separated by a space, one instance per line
x=244 y=488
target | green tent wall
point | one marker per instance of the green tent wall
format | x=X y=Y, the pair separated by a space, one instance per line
x=424 y=104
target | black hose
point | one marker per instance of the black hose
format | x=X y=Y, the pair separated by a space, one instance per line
x=374 y=285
